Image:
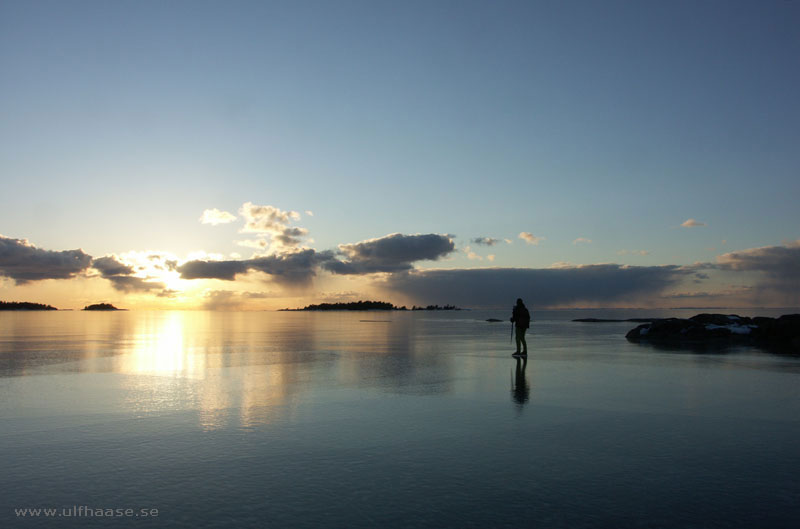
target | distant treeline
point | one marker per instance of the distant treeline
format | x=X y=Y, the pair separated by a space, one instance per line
x=24 y=305
x=353 y=305
x=369 y=305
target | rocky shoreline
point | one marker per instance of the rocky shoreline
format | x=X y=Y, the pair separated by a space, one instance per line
x=783 y=332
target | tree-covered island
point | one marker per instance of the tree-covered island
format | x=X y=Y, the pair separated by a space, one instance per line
x=24 y=305
x=101 y=306
x=367 y=305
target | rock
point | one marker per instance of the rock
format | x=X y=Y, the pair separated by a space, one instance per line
x=786 y=329
x=718 y=319
x=781 y=332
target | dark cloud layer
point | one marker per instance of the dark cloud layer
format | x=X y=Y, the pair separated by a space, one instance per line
x=772 y=272
x=121 y=276
x=110 y=267
x=779 y=262
x=289 y=268
x=224 y=270
x=497 y=287
x=485 y=241
x=392 y=253
x=24 y=262
x=778 y=267
x=231 y=300
x=222 y=300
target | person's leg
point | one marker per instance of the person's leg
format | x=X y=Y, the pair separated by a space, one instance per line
x=518 y=335
x=522 y=339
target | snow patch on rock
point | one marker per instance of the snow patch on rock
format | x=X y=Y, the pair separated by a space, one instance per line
x=734 y=328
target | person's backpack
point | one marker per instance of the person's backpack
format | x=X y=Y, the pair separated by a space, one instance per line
x=522 y=318
x=526 y=317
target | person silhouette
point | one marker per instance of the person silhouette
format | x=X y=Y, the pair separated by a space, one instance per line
x=521 y=319
x=521 y=389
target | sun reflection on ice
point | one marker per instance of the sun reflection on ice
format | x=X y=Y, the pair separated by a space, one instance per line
x=162 y=370
x=159 y=348
x=230 y=369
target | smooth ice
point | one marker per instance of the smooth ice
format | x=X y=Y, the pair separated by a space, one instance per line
x=295 y=419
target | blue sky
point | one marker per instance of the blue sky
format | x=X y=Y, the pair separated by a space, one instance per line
x=609 y=121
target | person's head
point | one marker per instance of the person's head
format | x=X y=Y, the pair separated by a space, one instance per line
x=519 y=302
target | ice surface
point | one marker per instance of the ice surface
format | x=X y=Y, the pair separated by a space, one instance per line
x=319 y=420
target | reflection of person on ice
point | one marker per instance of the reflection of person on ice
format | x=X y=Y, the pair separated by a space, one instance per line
x=522 y=320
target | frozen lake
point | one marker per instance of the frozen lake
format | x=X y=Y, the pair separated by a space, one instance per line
x=365 y=419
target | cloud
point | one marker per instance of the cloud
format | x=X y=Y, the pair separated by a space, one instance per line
x=777 y=261
x=530 y=238
x=110 y=267
x=257 y=295
x=777 y=266
x=391 y=253
x=693 y=295
x=633 y=252
x=258 y=244
x=309 y=213
x=472 y=255
x=290 y=236
x=338 y=297
x=485 y=241
x=223 y=270
x=772 y=274
x=691 y=223
x=23 y=262
x=265 y=219
x=122 y=276
x=272 y=221
x=214 y=217
x=290 y=268
x=490 y=257
x=222 y=300
x=582 y=240
x=162 y=261
x=732 y=296
x=603 y=284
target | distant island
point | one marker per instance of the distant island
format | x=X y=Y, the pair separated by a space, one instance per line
x=101 y=306
x=24 y=305
x=367 y=305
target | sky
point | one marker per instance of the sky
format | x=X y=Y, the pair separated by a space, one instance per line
x=260 y=155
